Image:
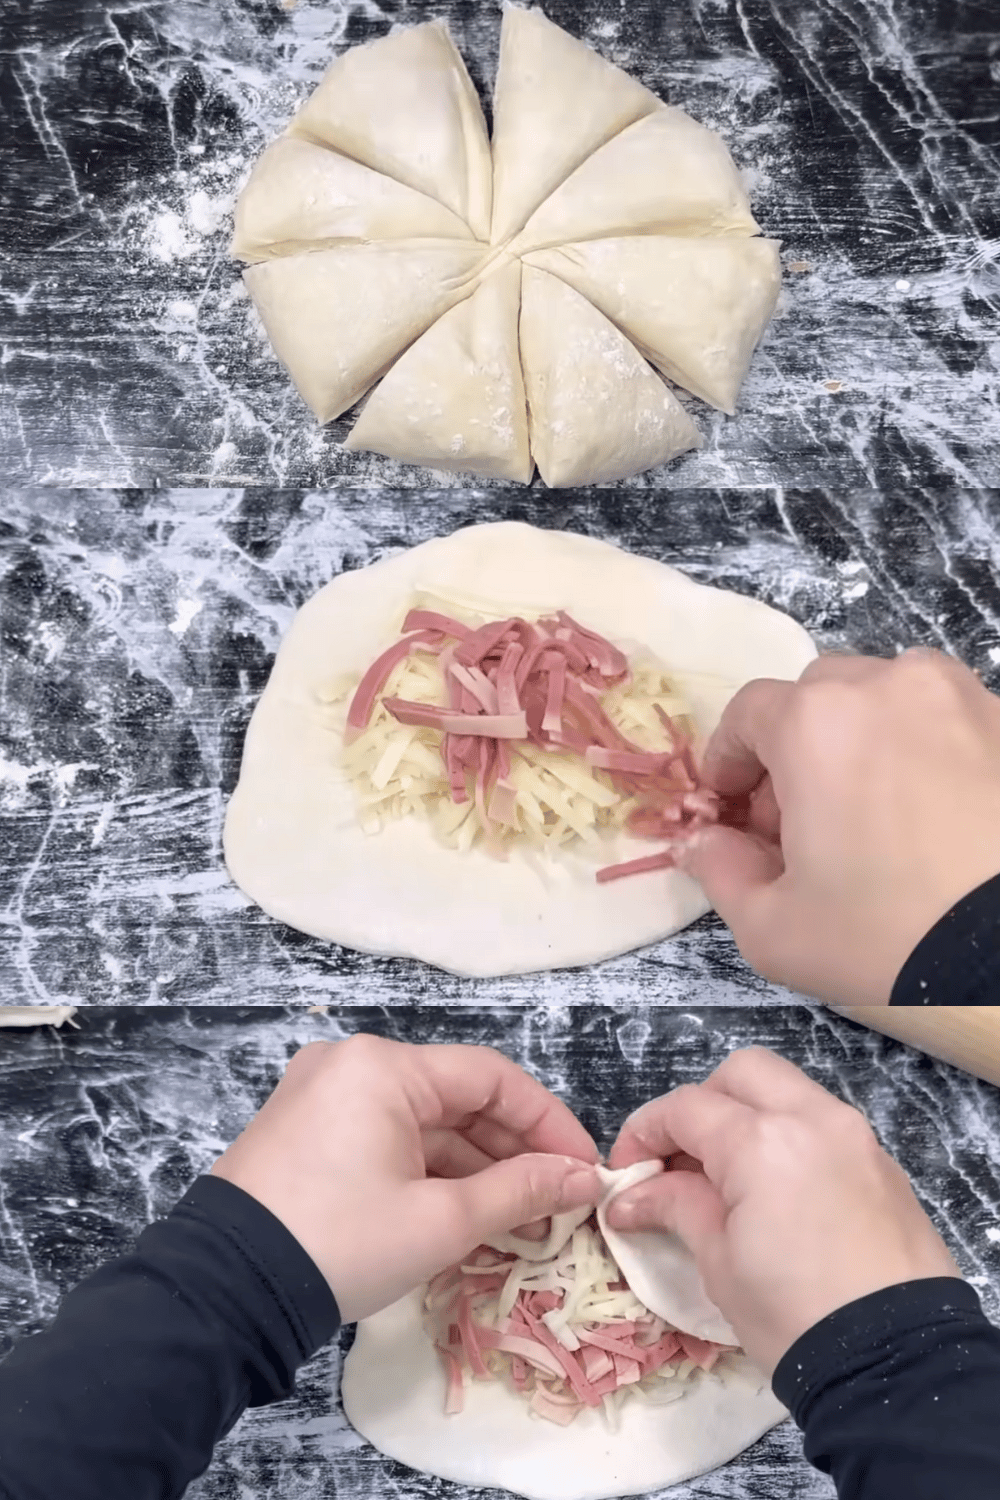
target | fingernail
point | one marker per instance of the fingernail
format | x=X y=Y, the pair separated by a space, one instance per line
x=625 y=1212
x=684 y=851
x=579 y=1186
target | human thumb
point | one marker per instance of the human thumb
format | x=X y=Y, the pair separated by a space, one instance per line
x=681 y=1203
x=518 y=1191
x=732 y=868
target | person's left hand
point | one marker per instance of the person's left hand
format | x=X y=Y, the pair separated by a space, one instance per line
x=389 y=1162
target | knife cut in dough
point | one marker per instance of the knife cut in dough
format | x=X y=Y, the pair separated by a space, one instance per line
x=393 y=1390
x=406 y=106
x=556 y=101
x=659 y=1267
x=695 y=307
x=338 y=318
x=456 y=399
x=293 y=840
x=598 y=412
x=306 y=197
x=664 y=175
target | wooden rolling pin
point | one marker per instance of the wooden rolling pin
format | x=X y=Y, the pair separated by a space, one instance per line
x=968 y=1036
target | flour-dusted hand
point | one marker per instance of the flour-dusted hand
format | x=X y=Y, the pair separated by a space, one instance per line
x=797 y=1212
x=388 y=1162
x=872 y=792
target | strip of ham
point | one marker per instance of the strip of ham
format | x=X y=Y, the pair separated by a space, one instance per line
x=516 y=685
x=564 y=1334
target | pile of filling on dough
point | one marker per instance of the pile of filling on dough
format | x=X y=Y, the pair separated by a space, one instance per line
x=511 y=730
x=564 y=1334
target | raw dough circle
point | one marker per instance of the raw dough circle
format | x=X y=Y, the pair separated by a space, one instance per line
x=292 y=837
x=393 y=1390
x=514 y=303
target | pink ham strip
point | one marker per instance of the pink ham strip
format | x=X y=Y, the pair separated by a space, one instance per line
x=611 y=1357
x=481 y=642
x=483 y=726
x=378 y=675
x=624 y=1345
x=428 y=619
x=510 y=681
x=470 y=1338
x=479 y=686
x=455 y=1398
x=596 y=1362
x=632 y=762
x=704 y=1353
x=608 y=660
x=552 y=722
x=529 y=1349
x=667 y=860
x=661 y=1353
x=573 y=1369
x=508 y=701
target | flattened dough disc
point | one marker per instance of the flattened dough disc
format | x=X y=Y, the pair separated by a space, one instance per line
x=695 y=307
x=293 y=841
x=302 y=196
x=556 y=102
x=406 y=106
x=456 y=400
x=393 y=1390
x=338 y=318
x=598 y=412
x=664 y=175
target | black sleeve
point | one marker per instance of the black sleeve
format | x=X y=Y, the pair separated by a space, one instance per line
x=151 y=1360
x=958 y=962
x=898 y=1395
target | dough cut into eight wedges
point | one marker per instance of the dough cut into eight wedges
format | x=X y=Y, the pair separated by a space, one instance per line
x=510 y=306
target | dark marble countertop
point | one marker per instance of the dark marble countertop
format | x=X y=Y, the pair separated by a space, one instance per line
x=869 y=130
x=103 y=1128
x=138 y=630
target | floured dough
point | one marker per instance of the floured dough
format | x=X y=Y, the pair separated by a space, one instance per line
x=388 y=165
x=659 y=1267
x=406 y=106
x=695 y=307
x=393 y=1390
x=456 y=399
x=293 y=840
x=306 y=197
x=338 y=318
x=598 y=412
x=625 y=187
x=556 y=102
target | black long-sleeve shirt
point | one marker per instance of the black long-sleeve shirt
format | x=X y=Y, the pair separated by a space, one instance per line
x=151 y=1360
x=958 y=962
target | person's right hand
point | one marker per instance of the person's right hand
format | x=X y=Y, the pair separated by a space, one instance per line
x=798 y=1210
x=871 y=792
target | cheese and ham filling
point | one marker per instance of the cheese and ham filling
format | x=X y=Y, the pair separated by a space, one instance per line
x=564 y=1334
x=537 y=731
